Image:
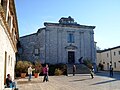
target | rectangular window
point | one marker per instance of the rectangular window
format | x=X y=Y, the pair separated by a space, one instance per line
x=11 y=61
x=9 y=21
x=119 y=52
x=107 y=55
x=114 y=64
x=36 y=52
x=114 y=53
x=103 y=62
x=107 y=66
x=70 y=38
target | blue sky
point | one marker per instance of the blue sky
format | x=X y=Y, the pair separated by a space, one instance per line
x=104 y=14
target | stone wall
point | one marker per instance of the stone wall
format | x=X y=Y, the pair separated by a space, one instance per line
x=27 y=47
x=5 y=46
x=9 y=36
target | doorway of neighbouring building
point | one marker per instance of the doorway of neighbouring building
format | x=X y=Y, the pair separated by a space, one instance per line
x=71 y=57
x=5 y=67
x=107 y=66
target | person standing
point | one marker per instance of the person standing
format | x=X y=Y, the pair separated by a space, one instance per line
x=66 y=73
x=74 y=70
x=10 y=83
x=45 y=72
x=30 y=72
x=111 y=71
x=92 y=72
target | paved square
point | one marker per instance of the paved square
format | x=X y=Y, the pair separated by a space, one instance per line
x=101 y=81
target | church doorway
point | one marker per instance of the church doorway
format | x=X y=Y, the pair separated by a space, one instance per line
x=71 y=57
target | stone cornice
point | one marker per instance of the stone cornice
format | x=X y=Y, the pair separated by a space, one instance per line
x=72 y=47
x=69 y=25
x=13 y=11
x=7 y=29
x=109 y=49
x=28 y=35
x=40 y=29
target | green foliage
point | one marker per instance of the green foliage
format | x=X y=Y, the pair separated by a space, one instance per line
x=88 y=63
x=61 y=67
x=58 y=72
x=22 y=67
x=51 y=69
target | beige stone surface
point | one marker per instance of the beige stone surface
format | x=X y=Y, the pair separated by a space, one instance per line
x=78 y=82
x=110 y=55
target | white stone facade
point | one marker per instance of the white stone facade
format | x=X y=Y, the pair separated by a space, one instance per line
x=108 y=57
x=53 y=45
x=8 y=40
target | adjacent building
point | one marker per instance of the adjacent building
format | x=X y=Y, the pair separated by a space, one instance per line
x=8 y=39
x=109 y=57
x=63 y=42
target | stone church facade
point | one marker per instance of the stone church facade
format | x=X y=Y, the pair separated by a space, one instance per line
x=63 y=42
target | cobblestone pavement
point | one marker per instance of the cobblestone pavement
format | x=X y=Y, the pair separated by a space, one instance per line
x=78 y=82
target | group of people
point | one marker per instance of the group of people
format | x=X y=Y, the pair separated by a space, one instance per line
x=12 y=84
x=92 y=71
x=45 y=73
x=46 y=70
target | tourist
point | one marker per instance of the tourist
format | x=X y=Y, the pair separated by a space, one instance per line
x=92 y=72
x=45 y=72
x=9 y=82
x=111 y=71
x=66 y=72
x=30 y=72
x=74 y=70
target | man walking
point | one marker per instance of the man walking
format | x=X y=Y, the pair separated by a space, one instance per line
x=30 y=72
x=111 y=71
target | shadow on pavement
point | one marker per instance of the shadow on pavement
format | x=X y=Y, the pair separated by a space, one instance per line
x=80 y=80
x=103 y=82
x=116 y=75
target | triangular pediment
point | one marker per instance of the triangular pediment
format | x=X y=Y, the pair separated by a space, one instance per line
x=73 y=47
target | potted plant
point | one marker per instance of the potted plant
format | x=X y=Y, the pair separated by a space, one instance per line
x=38 y=68
x=22 y=68
x=88 y=63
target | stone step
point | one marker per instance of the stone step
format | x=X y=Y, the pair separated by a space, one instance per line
x=80 y=69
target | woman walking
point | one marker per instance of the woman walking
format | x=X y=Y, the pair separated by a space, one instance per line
x=45 y=72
